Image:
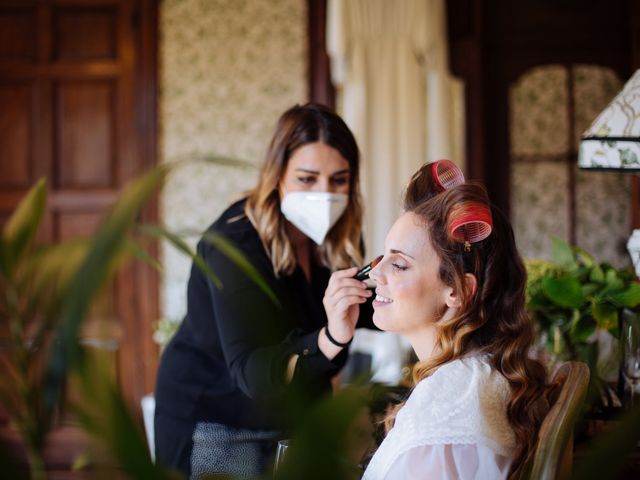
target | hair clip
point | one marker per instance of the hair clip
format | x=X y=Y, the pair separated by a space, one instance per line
x=470 y=222
x=446 y=174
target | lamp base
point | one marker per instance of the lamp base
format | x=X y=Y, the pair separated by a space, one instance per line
x=633 y=247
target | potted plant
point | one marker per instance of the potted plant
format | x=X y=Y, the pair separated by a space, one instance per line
x=577 y=305
x=46 y=292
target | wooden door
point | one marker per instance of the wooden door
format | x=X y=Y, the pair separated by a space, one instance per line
x=77 y=106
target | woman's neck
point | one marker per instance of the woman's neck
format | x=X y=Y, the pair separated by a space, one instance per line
x=423 y=343
x=424 y=340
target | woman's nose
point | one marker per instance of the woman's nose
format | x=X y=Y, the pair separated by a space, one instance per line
x=323 y=185
x=376 y=273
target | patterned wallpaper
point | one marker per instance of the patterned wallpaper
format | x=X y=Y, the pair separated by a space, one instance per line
x=539 y=177
x=538 y=108
x=228 y=69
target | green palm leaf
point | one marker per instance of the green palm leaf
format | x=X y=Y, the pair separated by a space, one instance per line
x=90 y=277
x=239 y=258
x=21 y=228
x=183 y=247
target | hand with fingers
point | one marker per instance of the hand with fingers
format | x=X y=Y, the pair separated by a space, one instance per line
x=341 y=302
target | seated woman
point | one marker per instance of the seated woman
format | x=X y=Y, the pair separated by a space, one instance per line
x=451 y=282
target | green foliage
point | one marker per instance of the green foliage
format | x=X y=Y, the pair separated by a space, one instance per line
x=182 y=247
x=45 y=296
x=89 y=278
x=330 y=439
x=241 y=261
x=574 y=296
x=21 y=228
x=165 y=329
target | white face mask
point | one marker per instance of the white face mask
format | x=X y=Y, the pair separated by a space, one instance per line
x=314 y=213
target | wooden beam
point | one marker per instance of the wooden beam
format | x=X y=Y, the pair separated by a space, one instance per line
x=320 y=89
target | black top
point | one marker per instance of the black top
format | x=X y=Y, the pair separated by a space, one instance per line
x=227 y=361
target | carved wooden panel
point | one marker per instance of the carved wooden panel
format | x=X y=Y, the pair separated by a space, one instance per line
x=17 y=39
x=103 y=321
x=73 y=225
x=85 y=142
x=16 y=160
x=84 y=34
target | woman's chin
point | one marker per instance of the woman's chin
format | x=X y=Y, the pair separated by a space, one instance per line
x=379 y=321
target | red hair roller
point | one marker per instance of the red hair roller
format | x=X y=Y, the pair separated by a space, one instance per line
x=470 y=222
x=446 y=174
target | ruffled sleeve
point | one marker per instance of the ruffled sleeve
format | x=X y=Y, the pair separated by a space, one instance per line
x=449 y=462
x=462 y=404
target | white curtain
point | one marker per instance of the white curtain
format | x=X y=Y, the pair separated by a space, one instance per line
x=389 y=66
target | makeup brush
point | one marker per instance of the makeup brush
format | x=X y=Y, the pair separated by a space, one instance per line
x=363 y=273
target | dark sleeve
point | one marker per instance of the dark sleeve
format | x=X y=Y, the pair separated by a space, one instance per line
x=253 y=336
x=365 y=320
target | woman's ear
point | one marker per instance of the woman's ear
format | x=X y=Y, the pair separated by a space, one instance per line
x=471 y=286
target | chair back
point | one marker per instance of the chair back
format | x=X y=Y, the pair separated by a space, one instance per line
x=553 y=456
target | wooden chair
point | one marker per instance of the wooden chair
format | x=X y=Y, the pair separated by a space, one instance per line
x=553 y=456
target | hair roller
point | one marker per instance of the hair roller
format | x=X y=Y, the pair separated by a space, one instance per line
x=470 y=222
x=446 y=175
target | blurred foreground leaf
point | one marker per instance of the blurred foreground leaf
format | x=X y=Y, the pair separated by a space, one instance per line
x=8 y=468
x=89 y=278
x=45 y=295
x=182 y=247
x=331 y=440
x=239 y=258
x=21 y=228
x=106 y=416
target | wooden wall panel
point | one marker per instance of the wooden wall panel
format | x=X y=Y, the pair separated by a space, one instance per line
x=17 y=41
x=16 y=156
x=74 y=225
x=79 y=108
x=82 y=34
x=319 y=89
x=85 y=134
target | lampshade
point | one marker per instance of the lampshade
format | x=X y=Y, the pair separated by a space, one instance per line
x=612 y=142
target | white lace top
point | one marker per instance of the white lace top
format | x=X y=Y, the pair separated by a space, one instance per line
x=453 y=426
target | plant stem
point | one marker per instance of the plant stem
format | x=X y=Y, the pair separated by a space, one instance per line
x=28 y=421
x=569 y=344
x=36 y=464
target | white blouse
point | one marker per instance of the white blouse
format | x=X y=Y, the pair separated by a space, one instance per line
x=453 y=426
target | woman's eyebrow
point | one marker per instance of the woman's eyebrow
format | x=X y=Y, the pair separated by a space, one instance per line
x=400 y=252
x=316 y=172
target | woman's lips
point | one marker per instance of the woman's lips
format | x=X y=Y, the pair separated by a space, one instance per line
x=381 y=300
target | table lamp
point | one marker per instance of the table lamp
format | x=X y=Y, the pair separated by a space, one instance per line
x=612 y=142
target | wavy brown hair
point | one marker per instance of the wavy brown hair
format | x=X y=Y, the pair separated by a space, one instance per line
x=492 y=320
x=298 y=126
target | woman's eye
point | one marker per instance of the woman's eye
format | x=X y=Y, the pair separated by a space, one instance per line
x=306 y=180
x=398 y=267
x=340 y=181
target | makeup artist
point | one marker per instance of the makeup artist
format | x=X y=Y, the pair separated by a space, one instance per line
x=222 y=378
